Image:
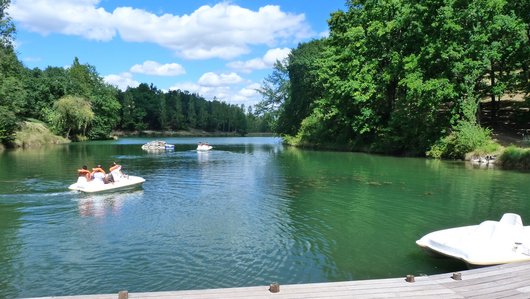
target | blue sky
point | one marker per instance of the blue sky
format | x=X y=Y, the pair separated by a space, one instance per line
x=221 y=49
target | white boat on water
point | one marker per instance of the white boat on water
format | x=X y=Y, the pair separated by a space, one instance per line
x=489 y=243
x=98 y=185
x=204 y=147
x=157 y=145
x=484 y=160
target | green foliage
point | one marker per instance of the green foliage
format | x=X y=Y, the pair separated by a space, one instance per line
x=8 y=125
x=85 y=82
x=13 y=94
x=147 y=108
x=274 y=92
x=397 y=76
x=7 y=28
x=72 y=115
x=35 y=133
x=464 y=138
x=489 y=148
x=515 y=158
x=313 y=129
x=304 y=90
x=77 y=103
x=400 y=76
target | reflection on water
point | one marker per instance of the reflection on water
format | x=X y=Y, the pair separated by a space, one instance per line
x=105 y=204
x=202 y=156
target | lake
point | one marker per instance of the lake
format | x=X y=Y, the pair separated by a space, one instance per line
x=250 y=212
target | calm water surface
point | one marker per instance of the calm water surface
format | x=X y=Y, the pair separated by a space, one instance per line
x=247 y=213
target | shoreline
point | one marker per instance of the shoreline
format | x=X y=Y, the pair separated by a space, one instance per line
x=186 y=133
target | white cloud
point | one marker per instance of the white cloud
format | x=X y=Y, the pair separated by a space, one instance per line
x=324 y=34
x=154 y=68
x=186 y=86
x=213 y=79
x=249 y=91
x=276 y=54
x=80 y=17
x=224 y=30
x=247 y=95
x=122 y=81
x=265 y=62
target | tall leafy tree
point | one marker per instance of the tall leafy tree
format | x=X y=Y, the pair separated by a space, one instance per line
x=176 y=111
x=396 y=76
x=12 y=87
x=128 y=112
x=191 y=114
x=202 y=114
x=275 y=92
x=304 y=89
x=72 y=115
x=7 y=27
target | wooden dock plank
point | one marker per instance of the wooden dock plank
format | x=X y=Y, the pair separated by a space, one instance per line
x=512 y=294
x=504 y=281
x=490 y=289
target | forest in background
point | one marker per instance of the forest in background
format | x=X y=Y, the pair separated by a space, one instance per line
x=404 y=77
x=76 y=103
x=398 y=77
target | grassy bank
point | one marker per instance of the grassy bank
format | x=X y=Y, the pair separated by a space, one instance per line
x=515 y=158
x=33 y=133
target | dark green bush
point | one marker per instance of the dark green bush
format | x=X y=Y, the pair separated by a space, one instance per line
x=515 y=158
x=464 y=138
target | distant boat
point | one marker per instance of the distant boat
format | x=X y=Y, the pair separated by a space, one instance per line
x=489 y=243
x=158 y=145
x=204 y=147
x=485 y=160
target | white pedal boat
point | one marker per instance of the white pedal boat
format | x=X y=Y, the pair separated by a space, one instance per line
x=489 y=243
x=98 y=186
x=158 y=146
x=204 y=147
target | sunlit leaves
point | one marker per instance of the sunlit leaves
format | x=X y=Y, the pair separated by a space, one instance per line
x=399 y=75
x=72 y=114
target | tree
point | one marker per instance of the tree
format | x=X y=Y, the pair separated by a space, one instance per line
x=500 y=39
x=191 y=115
x=11 y=102
x=399 y=76
x=7 y=28
x=85 y=82
x=72 y=115
x=202 y=114
x=275 y=92
x=178 y=112
x=128 y=121
x=8 y=124
x=304 y=89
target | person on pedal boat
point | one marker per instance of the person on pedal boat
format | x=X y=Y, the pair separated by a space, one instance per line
x=115 y=172
x=98 y=175
x=83 y=175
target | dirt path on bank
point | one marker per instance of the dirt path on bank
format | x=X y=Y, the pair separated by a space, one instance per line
x=510 y=124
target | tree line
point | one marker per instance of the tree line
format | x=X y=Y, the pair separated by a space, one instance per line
x=402 y=76
x=75 y=102
x=147 y=108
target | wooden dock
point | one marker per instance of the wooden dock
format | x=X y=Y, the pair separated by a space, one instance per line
x=503 y=281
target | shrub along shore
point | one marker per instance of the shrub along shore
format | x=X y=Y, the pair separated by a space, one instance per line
x=515 y=158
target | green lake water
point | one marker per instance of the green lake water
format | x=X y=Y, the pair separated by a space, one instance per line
x=250 y=212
